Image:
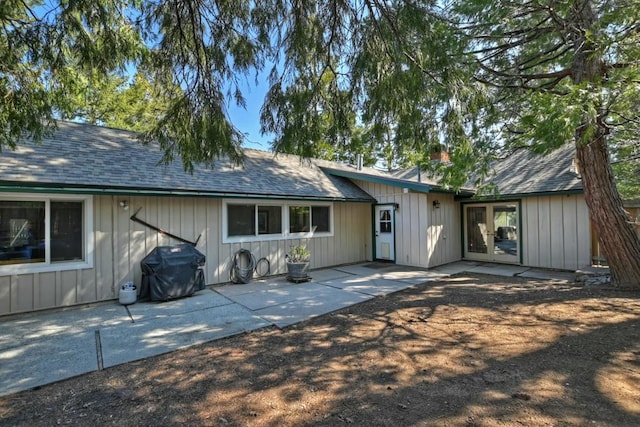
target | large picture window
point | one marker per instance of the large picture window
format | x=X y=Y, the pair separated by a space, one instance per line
x=267 y=220
x=43 y=232
x=22 y=232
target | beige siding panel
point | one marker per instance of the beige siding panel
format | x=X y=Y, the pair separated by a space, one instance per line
x=432 y=232
x=175 y=219
x=5 y=295
x=121 y=241
x=531 y=242
x=557 y=225
x=187 y=220
x=164 y=221
x=522 y=232
x=415 y=229
x=45 y=289
x=103 y=256
x=151 y=214
x=137 y=241
x=556 y=232
x=87 y=291
x=200 y=228
x=528 y=234
x=278 y=258
x=443 y=230
x=583 y=232
x=544 y=232
x=22 y=289
x=570 y=232
x=422 y=232
x=213 y=239
x=67 y=287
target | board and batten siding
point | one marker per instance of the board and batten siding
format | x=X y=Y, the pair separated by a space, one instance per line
x=444 y=230
x=120 y=245
x=425 y=236
x=555 y=232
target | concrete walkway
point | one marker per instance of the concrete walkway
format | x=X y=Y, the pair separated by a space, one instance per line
x=44 y=347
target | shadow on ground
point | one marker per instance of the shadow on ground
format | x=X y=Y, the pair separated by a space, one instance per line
x=468 y=350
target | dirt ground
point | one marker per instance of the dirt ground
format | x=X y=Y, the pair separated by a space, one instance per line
x=470 y=350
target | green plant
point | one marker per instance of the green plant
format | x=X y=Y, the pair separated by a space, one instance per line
x=299 y=253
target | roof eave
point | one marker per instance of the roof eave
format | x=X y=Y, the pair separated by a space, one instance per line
x=376 y=179
x=7 y=187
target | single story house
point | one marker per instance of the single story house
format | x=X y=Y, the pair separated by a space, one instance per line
x=67 y=237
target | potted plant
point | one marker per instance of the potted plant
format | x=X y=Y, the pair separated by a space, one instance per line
x=298 y=263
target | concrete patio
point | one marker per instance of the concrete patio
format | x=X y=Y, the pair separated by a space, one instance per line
x=45 y=347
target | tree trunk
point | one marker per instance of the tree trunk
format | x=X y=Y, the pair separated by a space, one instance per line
x=618 y=241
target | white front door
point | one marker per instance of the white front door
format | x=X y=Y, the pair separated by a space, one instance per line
x=491 y=232
x=385 y=233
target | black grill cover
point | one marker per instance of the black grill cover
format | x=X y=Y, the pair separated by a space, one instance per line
x=171 y=272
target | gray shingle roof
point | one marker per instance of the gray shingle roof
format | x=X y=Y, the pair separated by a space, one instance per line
x=94 y=157
x=526 y=173
x=521 y=173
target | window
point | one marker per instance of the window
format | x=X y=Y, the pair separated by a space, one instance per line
x=270 y=220
x=316 y=219
x=320 y=219
x=299 y=219
x=22 y=232
x=241 y=220
x=245 y=220
x=385 y=221
x=44 y=233
x=67 y=231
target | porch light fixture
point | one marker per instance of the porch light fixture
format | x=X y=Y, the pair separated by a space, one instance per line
x=124 y=205
x=436 y=204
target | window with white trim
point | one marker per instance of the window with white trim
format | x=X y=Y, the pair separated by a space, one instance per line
x=270 y=220
x=40 y=233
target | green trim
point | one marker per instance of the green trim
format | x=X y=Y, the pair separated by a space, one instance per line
x=516 y=196
x=520 y=230
x=395 y=249
x=462 y=232
x=373 y=232
x=165 y=193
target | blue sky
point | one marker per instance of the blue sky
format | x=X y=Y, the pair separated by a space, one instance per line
x=247 y=120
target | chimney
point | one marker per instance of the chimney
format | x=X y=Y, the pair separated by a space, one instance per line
x=439 y=154
x=359 y=162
